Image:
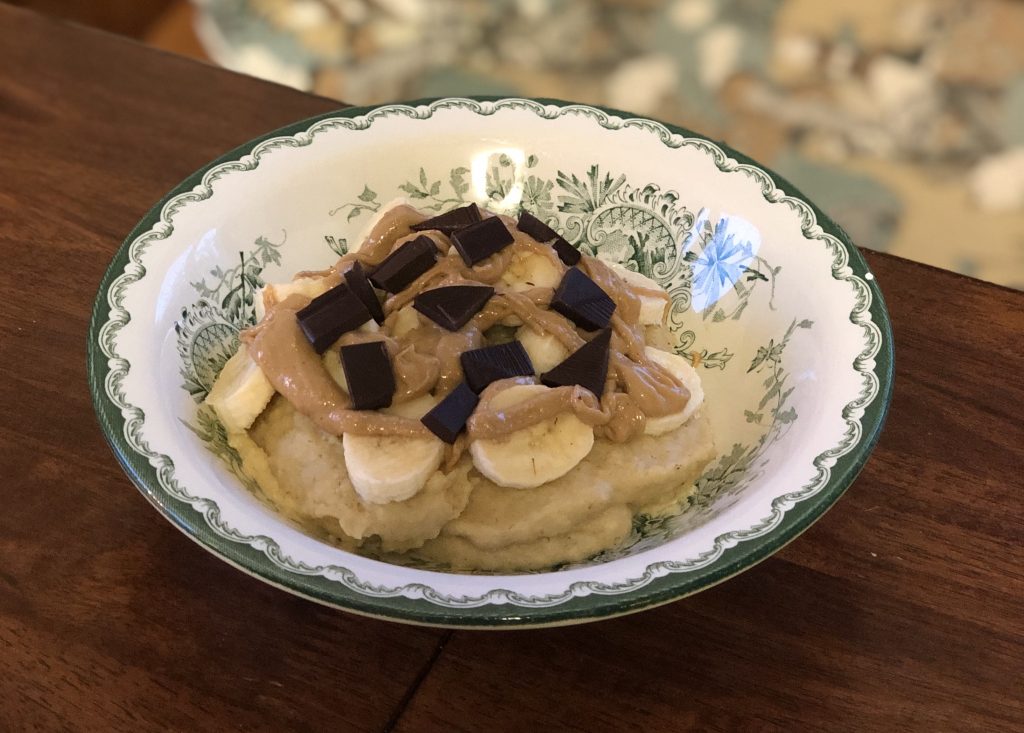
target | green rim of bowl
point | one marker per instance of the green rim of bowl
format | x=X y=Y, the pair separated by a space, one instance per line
x=420 y=610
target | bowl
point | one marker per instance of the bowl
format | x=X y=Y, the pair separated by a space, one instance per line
x=770 y=300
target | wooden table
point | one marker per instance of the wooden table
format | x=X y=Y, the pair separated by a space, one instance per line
x=901 y=609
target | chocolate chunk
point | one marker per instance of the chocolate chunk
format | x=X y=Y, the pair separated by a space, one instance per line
x=371 y=381
x=530 y=224
x=355 y=278
x=450 y=221
x=491 y=363
x=479 y=241
x=405 y=264
x=451 y=307
x=582 y=301
x=566 y=252
x=449 y=415
x=330 y=315
x=587 y=366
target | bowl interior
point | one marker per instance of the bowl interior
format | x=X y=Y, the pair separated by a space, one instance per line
x=766 y=303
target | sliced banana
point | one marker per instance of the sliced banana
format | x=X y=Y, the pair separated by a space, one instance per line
x=653 y=308
x=530 y=270
x=545 y=351
x=384 y=469
x=332 y=363
x=406 y=319
x=240 y=393
x=680 y=368
x=311 y=287
x=535 y=455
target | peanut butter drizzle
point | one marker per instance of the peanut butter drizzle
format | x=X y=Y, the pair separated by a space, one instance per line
x=651 y=293
x=616 y=417
x=655 y=391
x=426 y=359
x=625 y=418
x=490 y=423
x=446 y=347
x=526 y=306
x=393 y=227
x=295 y=370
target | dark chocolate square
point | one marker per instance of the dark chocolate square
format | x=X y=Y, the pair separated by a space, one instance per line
x=358 y=283
x=450 y=221
x=582 y=301
x=452 y=306
x=534 y=227
x=587 y=366
x=448 y=417
x=491 y=363
x=400 y=268
x=371 y=381
x=481 y=240
x=330 y=315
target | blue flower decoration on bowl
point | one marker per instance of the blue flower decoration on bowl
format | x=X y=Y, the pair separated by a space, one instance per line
x=724 y=258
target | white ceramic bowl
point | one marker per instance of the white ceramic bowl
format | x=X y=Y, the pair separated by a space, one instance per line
x=770 y=298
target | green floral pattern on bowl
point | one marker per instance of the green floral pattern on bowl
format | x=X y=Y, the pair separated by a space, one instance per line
x=740 y=254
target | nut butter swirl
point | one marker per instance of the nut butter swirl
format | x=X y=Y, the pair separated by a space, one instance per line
x=295 y=370
x=426 y=358
x=616 y=417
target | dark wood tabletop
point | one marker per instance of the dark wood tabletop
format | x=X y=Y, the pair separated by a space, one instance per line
x=901 y=609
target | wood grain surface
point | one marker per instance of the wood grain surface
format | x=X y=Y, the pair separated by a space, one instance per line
x=901 y=609
x=110 y=619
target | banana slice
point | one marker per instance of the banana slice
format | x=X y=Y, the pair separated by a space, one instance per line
x=680 y=368
x=545 y=350
x=535 y=455
x=384 y=469
x=654 y=306
x=240 y=393
x=530 y=270
x=308 y=286
x=332 y=363
x=406 y=319
x=527 y=270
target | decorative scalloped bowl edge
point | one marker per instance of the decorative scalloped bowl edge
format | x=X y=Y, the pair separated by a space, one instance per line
x=419 y=602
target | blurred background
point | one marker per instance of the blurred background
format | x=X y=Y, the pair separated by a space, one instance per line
x=903 y=119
